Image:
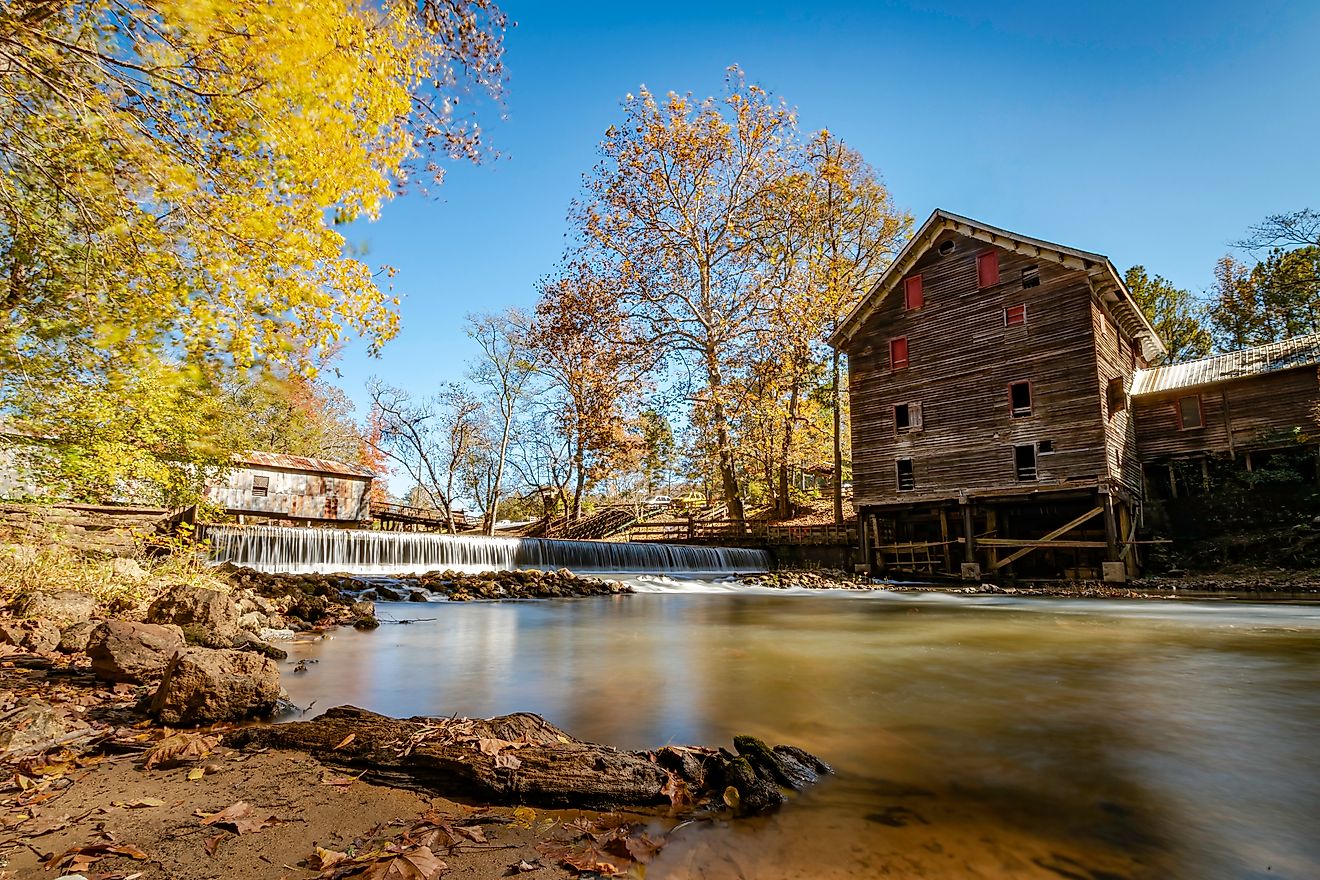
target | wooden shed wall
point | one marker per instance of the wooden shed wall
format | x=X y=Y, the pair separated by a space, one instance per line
x=1116 y=357
x=1242 y=414
x=962 y=360
x=295 y=494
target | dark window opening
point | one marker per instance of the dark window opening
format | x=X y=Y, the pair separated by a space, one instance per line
x=1117 y=395
x=906 y=480
x=1045 y=447
x=907 y=417
x=260 y=487
x=987 y=269
x=1024 y=460
x=898 y=353
x=947 y=247
x=1015 y=315
x=1031 y=276
x=1019 y=399
x=1189 y=412
x=912 y=298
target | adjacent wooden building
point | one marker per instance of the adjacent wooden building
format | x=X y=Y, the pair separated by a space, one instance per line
x=989 y=377
x=315 y=491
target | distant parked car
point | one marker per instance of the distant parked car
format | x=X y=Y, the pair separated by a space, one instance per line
x=658 y=501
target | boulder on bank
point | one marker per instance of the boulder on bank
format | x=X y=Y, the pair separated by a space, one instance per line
x=122 y=650
x=202 y=686
x=207 y=617
x=62 y=607
x=75 y=637
x=38 y=636
x=523 y=759
x=31 y=724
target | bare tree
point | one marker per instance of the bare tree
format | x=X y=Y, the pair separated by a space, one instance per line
x=429 y=439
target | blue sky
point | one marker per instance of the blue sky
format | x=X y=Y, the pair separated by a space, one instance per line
x=1153 y=132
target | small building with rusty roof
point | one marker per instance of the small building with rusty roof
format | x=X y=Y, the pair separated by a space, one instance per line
x=271 y=485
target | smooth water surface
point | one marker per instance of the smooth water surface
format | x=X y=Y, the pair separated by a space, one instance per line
x=973 y=736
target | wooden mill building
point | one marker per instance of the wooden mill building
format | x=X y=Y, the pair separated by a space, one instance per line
x=311 y=491
x=1003 y=405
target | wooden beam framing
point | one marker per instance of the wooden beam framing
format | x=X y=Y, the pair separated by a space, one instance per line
x=1068 y=527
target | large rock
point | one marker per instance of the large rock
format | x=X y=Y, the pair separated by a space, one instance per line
x=204 y=686
x=38 y=636
x=75 y=637
x=61 y=608
x=133 y=652
x=207 y=617
x=32 y=724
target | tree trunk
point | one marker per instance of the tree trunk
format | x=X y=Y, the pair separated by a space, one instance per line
x=786 y=450
x=723 y=443
x=523 y=759
x=493 y=501
x=836 y=393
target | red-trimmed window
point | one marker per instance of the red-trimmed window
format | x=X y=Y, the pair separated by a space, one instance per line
x=1015 y=315
x=912 y=298
x=898 y=353
x=1189 y=413
x=1019 y=399
x=987 y=269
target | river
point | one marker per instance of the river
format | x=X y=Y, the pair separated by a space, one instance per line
x=973 y=736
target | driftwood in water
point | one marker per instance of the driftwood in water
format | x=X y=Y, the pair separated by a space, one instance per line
x=523 y=759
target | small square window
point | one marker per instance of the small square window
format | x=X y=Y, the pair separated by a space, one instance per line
x=1189 y=413
x=1015 y=315
x=1024 y=462
x=1045 y=447
x=912 y=296
x=987 y=269
x=898 y=353
x=907 y=481
x=260 y=487
x=1031 y=276
x=907 y=417
x=1019 y=399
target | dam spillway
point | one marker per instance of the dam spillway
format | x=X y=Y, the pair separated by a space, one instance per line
x=359 y=551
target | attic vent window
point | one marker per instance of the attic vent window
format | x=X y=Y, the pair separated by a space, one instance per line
x=1031 y=276
x=260 y=487
x=946 y=247
x=987 y=269
x=912 y=298
x=907 y=481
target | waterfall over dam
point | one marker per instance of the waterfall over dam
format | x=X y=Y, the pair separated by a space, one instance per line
x=354 y=551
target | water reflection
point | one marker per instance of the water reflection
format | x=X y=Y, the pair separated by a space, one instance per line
x=974 y=736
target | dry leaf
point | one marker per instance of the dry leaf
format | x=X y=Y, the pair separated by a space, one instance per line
x=417 y=864
x=524 y=866
x=508 y=761
x=142 y=802
x=328 y=858
x=677 y=791
x=343 y=781
x=196 y=773
x=212 y=844
x=79 y=859
x=346 y=740
x=471 y=832
x=180 y=749
x=242 y=818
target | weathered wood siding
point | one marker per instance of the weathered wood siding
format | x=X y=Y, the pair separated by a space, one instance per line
x=294 y=494
x=962 y=360
x=1116 y=357
x=1252 y=412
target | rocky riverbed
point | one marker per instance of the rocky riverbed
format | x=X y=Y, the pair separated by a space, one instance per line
x=126 y=746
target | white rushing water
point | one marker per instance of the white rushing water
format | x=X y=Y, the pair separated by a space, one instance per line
x=355 y=551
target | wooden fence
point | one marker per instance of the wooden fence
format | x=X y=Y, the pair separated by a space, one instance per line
x=727 y=531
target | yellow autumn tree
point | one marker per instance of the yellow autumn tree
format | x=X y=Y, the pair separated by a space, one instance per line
x=172 y=173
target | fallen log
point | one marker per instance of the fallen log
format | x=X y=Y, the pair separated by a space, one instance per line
x=524 y=759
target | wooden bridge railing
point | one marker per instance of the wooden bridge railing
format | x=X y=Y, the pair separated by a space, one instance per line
x=695 y=531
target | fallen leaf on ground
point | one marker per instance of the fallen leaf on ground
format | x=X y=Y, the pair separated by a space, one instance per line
x=328 y=858
x=80 y=858
x=508 y=761
x=212 y=844
x=241 y=817
x=180 y=749
x=141 y=802
x=523 y=867
x=344 y=781
x=196 y=773
x=346 y=740
x=417 y=864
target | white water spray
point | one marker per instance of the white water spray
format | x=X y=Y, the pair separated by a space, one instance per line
x=354 y=551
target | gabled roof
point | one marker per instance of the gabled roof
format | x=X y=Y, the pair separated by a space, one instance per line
x=302 y=463
x=1101 y=272
x=1301 y=351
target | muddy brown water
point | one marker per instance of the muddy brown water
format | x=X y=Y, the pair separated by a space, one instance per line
x=973 y=736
